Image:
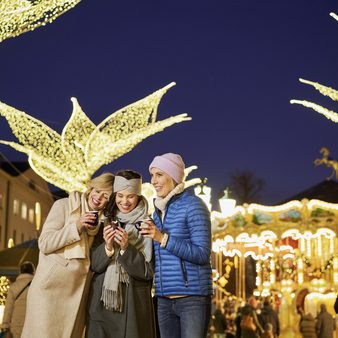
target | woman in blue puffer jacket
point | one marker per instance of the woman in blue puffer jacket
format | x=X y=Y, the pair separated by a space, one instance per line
x=181 y=232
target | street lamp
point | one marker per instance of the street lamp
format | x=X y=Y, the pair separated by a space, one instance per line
x=204 y=192
x=227 y=204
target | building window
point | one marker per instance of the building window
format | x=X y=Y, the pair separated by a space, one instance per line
x=24 y=211
x=16 y=205
x=22 y=237
x=37 y=216
x=14 y=236
x=31 y=215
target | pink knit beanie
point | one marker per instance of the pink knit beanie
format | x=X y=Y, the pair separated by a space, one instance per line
x=171 y=164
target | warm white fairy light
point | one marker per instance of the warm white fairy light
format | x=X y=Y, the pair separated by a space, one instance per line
x=322 y=204
x=69 y=160
x=319 y=246
x=335 y=270
x=20 y=16
x=329 y=114
x=302 y=245
x=284 y=207
x=327 y=91
x=332 y=241
x=273 y=272
x=308 y=247
x=334 y=15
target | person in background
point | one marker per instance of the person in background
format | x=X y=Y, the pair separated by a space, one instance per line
x=56 y=301
x=120 y=303
x=15 y=309
x=325 y=324
x=181 y=233
x=249 y=319
x=307 y=326
x=268 y=331
x=269 y=315
x=238 y=320
x=219 y=323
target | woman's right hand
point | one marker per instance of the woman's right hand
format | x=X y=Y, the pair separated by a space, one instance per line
x=150 y=230
x=108 y=236
x=85 y=221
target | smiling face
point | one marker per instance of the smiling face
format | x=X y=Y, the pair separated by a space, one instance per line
x=98 y=198
x=126 y=201
x=162 y=182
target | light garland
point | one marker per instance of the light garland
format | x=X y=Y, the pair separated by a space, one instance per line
x=334 y=15
x=4 y=286
x=69 y=160
x=20 y=16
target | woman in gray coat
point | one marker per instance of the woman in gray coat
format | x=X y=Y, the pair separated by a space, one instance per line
x=120 y=303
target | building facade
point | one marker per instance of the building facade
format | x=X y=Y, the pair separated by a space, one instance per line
x=25 y=201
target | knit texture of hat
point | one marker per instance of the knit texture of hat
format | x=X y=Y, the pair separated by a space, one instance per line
x=171 y=164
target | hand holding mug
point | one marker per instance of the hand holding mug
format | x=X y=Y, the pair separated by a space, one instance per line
x=108 y=236
x=150 y=230
x=88 y=220
x=121 y=238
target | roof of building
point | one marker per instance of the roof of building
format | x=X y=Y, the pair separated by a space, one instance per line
x=325 y=191
x=10 y=259
x=14 y=168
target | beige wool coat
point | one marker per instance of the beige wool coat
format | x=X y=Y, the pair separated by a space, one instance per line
x=15 y=309
x=56 y=302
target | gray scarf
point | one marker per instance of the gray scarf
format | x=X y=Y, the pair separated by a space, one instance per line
x=112 y=295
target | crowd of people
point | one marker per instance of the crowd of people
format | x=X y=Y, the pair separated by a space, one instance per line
x=259 y=319
x=100 y=251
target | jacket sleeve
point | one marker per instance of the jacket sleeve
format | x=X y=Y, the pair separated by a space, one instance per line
x=55 y=235
x=197 y=249
x=134 y=262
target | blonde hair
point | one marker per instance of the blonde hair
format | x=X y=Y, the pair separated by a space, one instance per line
x=104 y=181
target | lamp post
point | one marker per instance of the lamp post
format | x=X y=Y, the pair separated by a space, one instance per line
x=227 y=204
x=204 y=192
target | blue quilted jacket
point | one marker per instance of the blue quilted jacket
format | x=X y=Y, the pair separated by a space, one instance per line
x=183 y=267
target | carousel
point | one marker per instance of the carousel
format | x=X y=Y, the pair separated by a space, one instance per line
x=287 y=252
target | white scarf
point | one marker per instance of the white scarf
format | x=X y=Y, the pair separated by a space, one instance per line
x=161 y=202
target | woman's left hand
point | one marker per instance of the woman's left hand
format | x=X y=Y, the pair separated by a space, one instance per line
x=121 y=238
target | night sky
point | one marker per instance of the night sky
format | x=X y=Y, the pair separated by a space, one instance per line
x=236 y=64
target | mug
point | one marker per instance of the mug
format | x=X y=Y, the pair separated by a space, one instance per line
x=96 y=221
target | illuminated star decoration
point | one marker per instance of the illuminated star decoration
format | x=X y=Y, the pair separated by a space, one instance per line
x=20 y=16
x=69 y=160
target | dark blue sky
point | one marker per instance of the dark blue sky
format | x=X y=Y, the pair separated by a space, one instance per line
x=236 y=65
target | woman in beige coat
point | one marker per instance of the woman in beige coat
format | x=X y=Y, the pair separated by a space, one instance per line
x=57 y=297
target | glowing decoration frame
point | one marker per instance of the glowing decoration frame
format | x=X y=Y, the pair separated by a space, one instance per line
x=20 y=16
x=69 y=160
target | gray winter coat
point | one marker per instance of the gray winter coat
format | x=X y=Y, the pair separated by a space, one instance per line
x=137 y=318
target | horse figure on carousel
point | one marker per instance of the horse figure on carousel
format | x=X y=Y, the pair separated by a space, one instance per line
x=328 y=161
